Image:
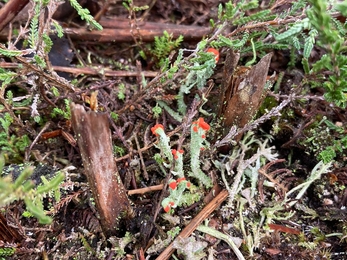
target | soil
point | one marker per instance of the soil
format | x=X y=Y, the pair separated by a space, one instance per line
x=268 y=225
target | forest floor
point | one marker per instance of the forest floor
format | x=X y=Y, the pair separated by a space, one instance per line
x=257 y=185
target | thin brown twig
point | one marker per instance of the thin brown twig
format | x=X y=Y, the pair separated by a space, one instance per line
x=90 y=71
x=53 y=79
x=275 y=22
x=9 y=110
x=27 y=152
x=145 y=173
x=145 y=190
x=102 y=11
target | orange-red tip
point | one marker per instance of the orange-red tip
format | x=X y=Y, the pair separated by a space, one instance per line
x=215 y=52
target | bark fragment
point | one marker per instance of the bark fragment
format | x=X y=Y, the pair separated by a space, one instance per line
x=94 y=140
x=244 y=91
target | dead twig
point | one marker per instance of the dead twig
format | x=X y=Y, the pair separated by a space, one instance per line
x=190 y=33
x=89 y=71
x=145 y=190
x=27 y=152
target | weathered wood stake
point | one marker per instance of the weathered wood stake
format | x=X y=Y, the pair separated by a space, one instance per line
x=244 y=91
x=94 y=140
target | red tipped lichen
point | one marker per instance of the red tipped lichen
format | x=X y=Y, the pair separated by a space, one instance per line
x=173 y=185
x=203 y=124
x=174 y=153
x=215 y=52
x=155 y=128
x=168 y=206
x=200 y=123
x=181 y=179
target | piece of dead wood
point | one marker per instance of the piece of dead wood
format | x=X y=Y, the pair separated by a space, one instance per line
x=188 y=230
x=94 y=140
x=119 y=30
x=121 y=23
x=9 y=11
x=244 y=90
x=116 y=30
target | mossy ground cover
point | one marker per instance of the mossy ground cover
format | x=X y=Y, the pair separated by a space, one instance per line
x=191 y=117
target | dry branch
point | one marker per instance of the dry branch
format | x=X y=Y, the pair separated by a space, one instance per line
x=119 y=30
x=122 y=31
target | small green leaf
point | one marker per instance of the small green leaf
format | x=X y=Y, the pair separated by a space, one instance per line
x=10 y=53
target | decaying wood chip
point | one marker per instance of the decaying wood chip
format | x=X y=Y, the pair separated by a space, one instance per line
x=94 y=140
x=244 y=89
